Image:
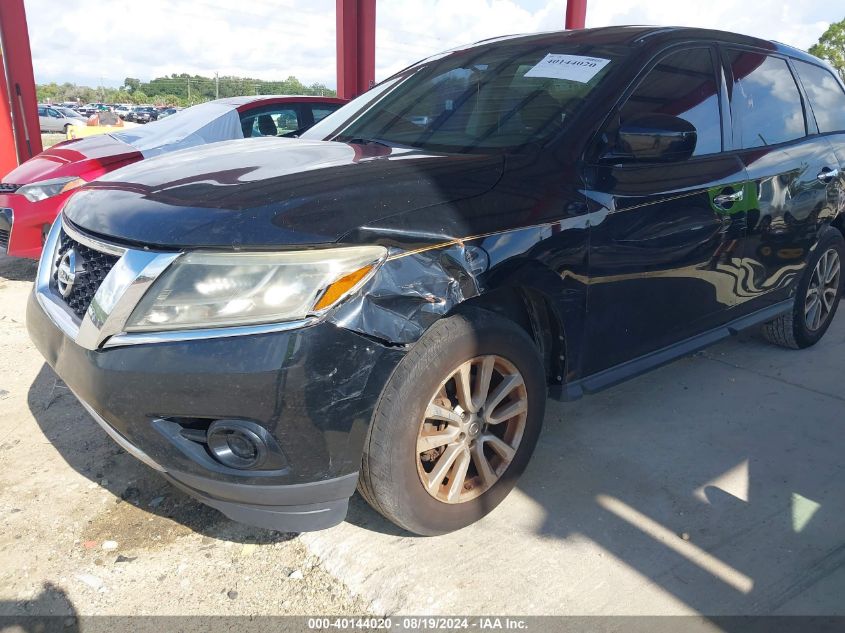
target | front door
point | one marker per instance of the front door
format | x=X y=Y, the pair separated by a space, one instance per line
x=663 y=256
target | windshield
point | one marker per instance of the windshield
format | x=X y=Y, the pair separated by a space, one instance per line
x=484 y=98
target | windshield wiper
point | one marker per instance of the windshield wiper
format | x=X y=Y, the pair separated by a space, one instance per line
x=369 y=141
x=378 y=141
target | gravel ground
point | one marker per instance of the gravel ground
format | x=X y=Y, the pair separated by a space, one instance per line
x=86 y=529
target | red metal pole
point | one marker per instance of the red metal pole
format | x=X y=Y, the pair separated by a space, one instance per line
x=366 y=45
x=347 y=59
x=8 y=153
x=356 y=46
x=17 y=62
x=576 y=14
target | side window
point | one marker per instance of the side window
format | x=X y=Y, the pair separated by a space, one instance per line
x=54 y=113
x=765 y=100
x=322 y=111
x=270 y=122
x=42 y=111
x=683 y=84
x=827 y=99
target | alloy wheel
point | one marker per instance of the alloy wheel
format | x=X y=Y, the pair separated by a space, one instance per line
x=823 y=290
x=472 y=428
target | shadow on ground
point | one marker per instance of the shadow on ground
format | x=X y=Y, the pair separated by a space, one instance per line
x=718 y=479
x=138 y=490
x=51 y=611
x=17 y=269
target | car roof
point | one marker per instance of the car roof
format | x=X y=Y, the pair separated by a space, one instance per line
x=647 y=36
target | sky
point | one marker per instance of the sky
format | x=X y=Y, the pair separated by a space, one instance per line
x=92 y=42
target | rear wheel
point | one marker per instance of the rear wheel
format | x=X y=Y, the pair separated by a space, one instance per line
x=816 y=299
x=455 y=425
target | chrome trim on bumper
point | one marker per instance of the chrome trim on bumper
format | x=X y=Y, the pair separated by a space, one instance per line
x=125 y=444
x=140 y=338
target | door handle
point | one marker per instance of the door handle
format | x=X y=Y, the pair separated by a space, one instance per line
x=827 y=174
x=728 y=198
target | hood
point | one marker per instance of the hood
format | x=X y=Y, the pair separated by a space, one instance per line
x=74 y=158
x=271 y=192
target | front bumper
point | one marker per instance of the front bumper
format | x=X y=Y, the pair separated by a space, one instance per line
x=313 y=388
x=30 y=220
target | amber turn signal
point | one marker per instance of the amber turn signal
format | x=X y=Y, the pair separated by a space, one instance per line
x=340 y=287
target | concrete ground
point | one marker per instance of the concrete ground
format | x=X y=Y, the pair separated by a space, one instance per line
x=713 y=485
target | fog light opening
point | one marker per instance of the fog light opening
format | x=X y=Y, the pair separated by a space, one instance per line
x=236 y=445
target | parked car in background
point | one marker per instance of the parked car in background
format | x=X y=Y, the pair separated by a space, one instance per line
x=71 y=113
x=386 y=301
x=33 y=193
x=54 y=119
x=142 y=114
x=90 y=108
x=166 y=112
x=122 y=110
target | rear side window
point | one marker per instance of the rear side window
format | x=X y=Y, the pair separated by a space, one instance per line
x=322 y=111
x=765 y=100
x=827 y=99
x=683 y=84
x=271 y=121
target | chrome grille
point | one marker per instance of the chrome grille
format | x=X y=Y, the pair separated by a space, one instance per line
x=93 y=268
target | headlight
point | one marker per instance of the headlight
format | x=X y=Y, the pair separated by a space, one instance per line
x=213 y=289
x=49 y=188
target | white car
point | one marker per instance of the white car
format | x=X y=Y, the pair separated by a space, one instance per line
x=122 y=110
x=54 y=119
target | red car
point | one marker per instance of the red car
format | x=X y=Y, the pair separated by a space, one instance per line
x=32 y=194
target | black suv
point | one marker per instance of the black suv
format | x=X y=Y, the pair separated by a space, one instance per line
x=386 y=301
x=142 y=114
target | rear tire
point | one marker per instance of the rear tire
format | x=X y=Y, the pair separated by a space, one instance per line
x=816 y=298
x=421 y=405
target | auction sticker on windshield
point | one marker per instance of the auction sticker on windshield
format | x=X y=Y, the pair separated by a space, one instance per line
x=572 y=67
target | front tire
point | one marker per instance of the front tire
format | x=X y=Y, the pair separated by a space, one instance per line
x=455 y=425
x=816 y=298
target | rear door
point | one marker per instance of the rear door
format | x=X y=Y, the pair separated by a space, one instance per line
x=790 y=172
x=662 y=258
x=826 y=96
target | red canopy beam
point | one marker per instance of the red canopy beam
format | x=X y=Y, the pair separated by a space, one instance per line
x=20 y=87
x=8 y=153
x=576 y=14
x=356 y=46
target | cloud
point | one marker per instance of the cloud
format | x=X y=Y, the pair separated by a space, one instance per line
x=89 y=41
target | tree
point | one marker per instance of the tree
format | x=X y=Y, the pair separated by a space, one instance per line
x=831 y=46
x=174 y=90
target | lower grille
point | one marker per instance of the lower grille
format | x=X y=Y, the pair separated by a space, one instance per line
x=7 y=187
x=4 y=239
x=91 y=269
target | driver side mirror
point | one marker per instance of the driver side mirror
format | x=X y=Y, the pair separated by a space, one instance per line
x=656 y=138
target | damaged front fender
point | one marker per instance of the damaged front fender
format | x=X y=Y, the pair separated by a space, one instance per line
x=411 y=291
